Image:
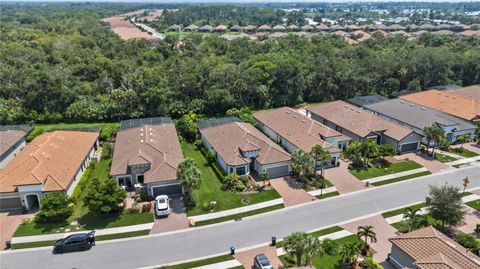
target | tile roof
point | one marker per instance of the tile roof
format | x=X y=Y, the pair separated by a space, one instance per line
x=469 y=92
x=416 y=115
x=9 y=138
x=154 y=145
x=462 y=107
x=358 y=121
x=230 y=139
x=51 y=159
x=298 y=129
x=431 y=249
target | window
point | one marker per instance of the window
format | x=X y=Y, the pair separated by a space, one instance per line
x=325 y=122
x=140 y=179
x=241 y=171
x=231 y=170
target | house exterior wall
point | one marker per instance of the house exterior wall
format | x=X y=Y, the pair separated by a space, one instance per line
x=12 y=152
x=400 y=259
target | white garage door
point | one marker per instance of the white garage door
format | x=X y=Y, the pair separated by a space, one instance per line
x=278 y=171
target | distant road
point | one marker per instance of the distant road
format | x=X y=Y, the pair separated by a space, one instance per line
x=209 y=240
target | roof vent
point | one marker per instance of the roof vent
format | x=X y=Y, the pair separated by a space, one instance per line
x=402 y=102
x=358 y=111
x=141 y=141
x=422 y=108
x=411 y=105
x=295 y=116
x=303 y=121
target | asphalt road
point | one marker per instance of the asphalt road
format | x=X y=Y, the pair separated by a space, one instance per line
x=209 y=240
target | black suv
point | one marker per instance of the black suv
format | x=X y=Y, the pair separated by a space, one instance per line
x=75 y=242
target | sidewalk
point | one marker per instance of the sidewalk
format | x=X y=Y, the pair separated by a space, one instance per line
x=396 y=175
x=238 y=210
x=56 y=236
x=325 y=191
x=220 y=265
x=464 y=161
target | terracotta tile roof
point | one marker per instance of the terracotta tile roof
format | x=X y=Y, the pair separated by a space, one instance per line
x=298 y=129
x=469 y=92
x=155 y=145
x=51 y=159
x=459 y=106
x=9 y=138
x=230 y=139
x=431 y=249
x=358 y=121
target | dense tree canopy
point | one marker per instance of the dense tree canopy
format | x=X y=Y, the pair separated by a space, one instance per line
x=64 y=64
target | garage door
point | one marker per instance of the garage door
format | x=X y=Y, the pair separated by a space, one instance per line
x=10 y=203
x=409 y=147
x=278 y=171
x=170 y=190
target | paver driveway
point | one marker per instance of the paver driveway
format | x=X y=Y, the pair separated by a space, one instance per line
x=177 y=219
x=383 y=230
x=342 y=179
x=291 y=193
x=472 y=218
x=9 y=222
x=246 y=257
x=431 y=164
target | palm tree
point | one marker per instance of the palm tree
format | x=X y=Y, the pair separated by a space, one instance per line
x=350 y=251
x=411 y=215
x=369 y=148
x=433 y=134
x=313 y=247
x=366 y=232
x=301 y=164
x=295 y=244
x=189 y=176
x=322 y=155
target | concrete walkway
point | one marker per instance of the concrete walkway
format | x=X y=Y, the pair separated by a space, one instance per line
x=465 y=161
x=290 y=191
x=238 y=210
x=342 y=179
x=396 y=175
x=220 y=265
x=56 y=236
x=324 y=191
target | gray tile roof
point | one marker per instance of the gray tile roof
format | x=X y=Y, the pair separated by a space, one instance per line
x=417 y=116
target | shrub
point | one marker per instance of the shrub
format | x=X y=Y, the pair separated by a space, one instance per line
x=134 y=209
x=466 y=240
x=198 y=144
x=54 y=208
x=244 y=179
x=146 y=207
x=109 y=132
x=240 y=187
x=107 y=150
x=34 y=133
x=210 y=156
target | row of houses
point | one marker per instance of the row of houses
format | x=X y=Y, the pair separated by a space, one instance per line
x=323 y=27
x=147 y=151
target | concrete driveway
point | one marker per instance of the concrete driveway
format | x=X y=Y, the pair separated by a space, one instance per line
x=342 y=179
x=9 y=222
x=291 y=193
x=177 y=219
x=383 y=230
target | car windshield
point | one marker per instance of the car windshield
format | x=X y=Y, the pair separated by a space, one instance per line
x=161 y=201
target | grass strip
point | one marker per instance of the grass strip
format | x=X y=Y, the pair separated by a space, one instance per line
x=444 y=158
x=318 y=233
x=402 y=210
x=199 y=263
x=328 y=195
x=393 y=168
x=240 y=215
x=97 y=238
x=474 y=204
x=393 y=180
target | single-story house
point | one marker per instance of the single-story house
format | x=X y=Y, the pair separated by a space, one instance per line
x=417 y=117
x=191 y=28
x=205 y=29
x=428 y=248
x=12 y=140
x=175 y=28
x=264 y=28
x=294 y=131
x=459 y=106
x=240 y=147
x=250 y=28
x=362 y=125
x=147 y=154
x=53 y=161
x=236 y=28
x=279 y=28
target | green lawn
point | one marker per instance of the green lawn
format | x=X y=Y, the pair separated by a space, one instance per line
x=325 y=261
x=39 y=128
x=464 y=152
x=86 y=220
x=211 y=188
x=391 y=169
x=474 y=204
x=402 y=210
x=97 y=238
x=240 y=215
x=328 y=195
x=199 y=263
x=444 y=158
x=393 y=180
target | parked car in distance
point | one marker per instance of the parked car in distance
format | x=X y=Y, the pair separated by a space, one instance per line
x=262 y=262
x=75 y=242
x=162 y=205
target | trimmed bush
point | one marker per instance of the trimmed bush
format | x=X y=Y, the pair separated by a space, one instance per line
x=54 y=208
x=240 y=187
x=466 y=240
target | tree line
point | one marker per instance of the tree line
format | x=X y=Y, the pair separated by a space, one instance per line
x=63 y=65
